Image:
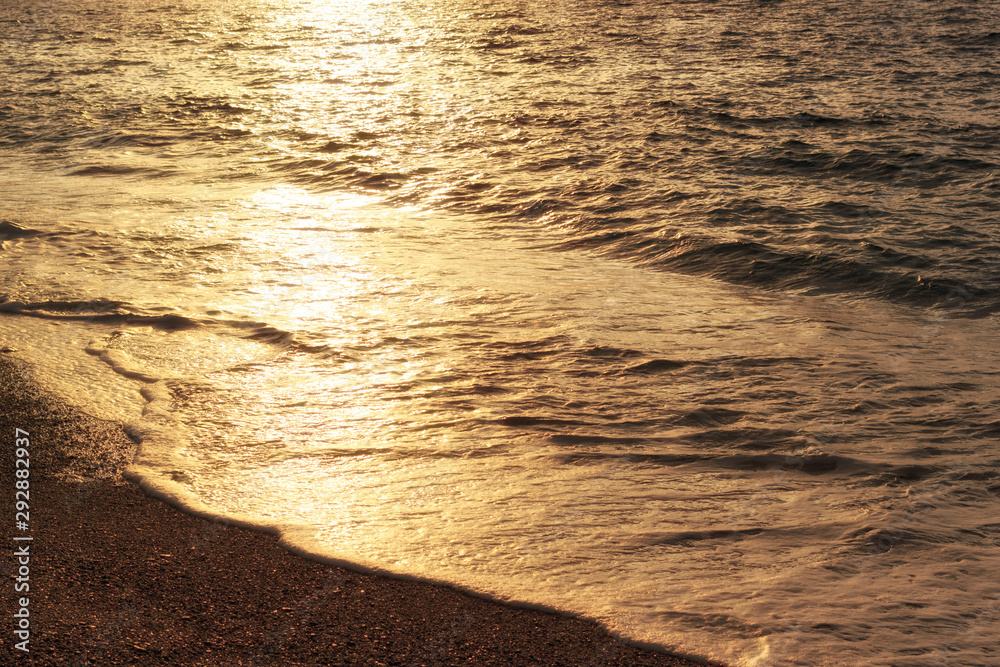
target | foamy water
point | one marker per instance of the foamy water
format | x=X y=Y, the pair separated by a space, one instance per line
x=672 y=317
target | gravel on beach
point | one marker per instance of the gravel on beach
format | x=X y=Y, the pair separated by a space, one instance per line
x=119 y=578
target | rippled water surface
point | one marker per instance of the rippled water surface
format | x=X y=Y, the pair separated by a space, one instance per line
x=681 y=316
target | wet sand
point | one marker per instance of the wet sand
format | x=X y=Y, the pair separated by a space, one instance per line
x=118 y=578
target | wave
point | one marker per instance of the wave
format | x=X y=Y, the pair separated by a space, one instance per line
x=98 y=311
x=659 y=214
x=875 y=271
x=600 y=450
x=119 y=170
x=10 y=230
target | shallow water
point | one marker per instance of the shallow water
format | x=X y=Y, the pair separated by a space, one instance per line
x=679 y=317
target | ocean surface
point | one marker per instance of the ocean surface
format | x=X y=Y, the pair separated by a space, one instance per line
x=681 y=316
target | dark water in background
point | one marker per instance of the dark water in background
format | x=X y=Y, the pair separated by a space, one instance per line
x=699 y=294
x=820 y=146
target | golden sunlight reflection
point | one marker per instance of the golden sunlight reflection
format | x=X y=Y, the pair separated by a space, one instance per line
x=662 y=313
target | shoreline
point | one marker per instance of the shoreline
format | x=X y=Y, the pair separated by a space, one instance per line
x=118 y=577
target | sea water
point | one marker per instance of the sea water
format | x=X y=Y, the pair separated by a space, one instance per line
x=678 y=316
